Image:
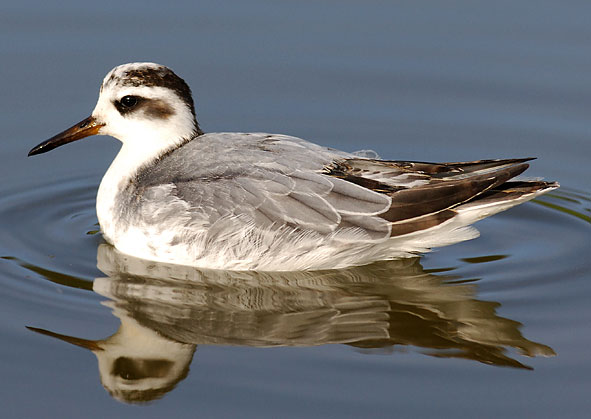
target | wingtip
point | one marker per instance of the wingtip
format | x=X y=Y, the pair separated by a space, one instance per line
x=553 y=185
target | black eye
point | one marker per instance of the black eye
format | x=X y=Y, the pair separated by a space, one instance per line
x=129 y=101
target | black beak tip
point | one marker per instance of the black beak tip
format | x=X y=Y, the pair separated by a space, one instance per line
x=36 y=150
x=44 y=147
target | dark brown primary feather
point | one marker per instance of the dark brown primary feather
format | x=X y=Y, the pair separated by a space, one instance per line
x=422 y=223
x=513 y=190
x=424 y=195
x=441 y=194
x=454 y=169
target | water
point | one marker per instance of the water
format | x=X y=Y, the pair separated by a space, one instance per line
x=497 y=326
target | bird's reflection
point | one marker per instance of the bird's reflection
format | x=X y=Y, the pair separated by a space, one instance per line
x=167 y=310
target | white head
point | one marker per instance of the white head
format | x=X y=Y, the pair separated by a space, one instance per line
x=144 y=105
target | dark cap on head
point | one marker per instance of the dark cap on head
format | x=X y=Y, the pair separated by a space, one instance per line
x=149 y=74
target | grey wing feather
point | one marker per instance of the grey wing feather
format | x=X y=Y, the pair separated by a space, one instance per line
x=272 y=181
x=319 y=203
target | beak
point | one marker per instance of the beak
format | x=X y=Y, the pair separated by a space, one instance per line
x=82 y=129
x=83 y=343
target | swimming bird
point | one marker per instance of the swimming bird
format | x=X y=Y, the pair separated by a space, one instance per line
x=258 y=201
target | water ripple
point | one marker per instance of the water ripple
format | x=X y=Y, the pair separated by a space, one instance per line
x=46 y=233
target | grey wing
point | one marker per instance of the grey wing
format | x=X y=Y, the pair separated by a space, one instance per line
x=268 y=180
x=300 y=199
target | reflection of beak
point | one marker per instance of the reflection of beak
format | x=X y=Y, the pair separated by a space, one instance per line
x=82 y=129
x=84 y=343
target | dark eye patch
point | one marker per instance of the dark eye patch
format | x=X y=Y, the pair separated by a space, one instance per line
x=157 y=109
x=153 y=108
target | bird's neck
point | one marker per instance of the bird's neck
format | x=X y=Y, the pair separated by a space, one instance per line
x=124 y=168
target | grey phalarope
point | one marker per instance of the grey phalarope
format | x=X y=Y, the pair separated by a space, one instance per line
x=262 y=201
